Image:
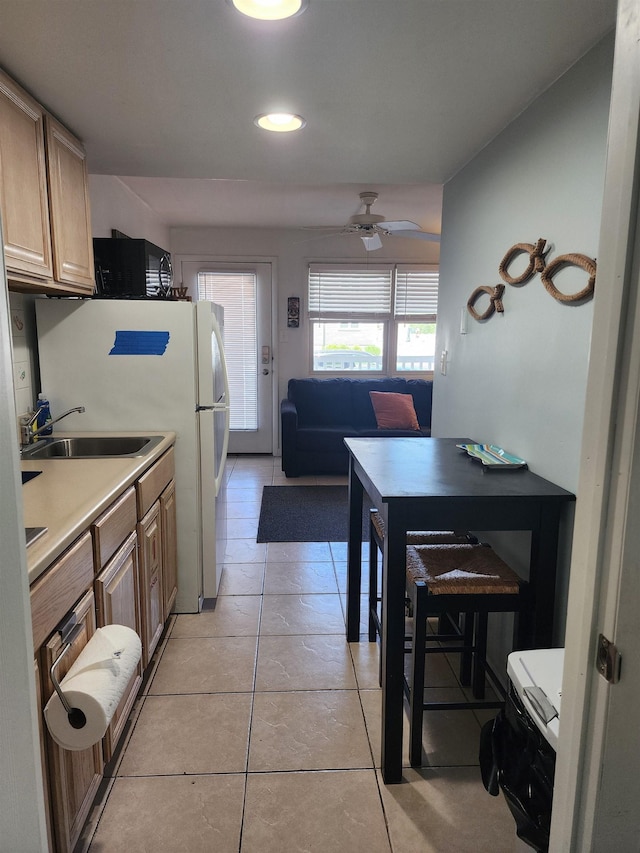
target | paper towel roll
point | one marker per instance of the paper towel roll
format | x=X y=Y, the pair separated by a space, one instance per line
x=95 y=684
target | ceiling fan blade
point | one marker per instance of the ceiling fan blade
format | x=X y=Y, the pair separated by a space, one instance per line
x=372 y=243
x=400 y=225
x=417 y=235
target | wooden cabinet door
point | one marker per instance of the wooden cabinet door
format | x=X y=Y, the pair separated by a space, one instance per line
x=151 y=590
x=23 y=185
x=117 y=603
x=69 y=208
x=74 y=777
x=169 y=547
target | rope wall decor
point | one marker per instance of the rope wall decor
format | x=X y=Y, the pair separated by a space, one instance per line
x=576 y=260
x=537 y=264
x=536 y=261
x=495 y=301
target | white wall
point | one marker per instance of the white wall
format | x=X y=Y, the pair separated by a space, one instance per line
x=293 y=250
x=114 y=205
x=518 y=379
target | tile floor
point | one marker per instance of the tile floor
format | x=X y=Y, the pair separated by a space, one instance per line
x=259 y=728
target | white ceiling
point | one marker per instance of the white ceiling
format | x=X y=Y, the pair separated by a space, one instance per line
x=398 y=96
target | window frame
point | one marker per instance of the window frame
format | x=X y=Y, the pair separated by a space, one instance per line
x=390 y=321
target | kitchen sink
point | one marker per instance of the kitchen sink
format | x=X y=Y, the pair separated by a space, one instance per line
x=91 y=447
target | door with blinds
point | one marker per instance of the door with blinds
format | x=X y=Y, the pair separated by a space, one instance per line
x=244 y=291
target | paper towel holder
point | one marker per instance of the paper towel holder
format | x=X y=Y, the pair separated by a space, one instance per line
x=69 y=630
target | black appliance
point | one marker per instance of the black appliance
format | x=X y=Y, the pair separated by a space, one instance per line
x=129 y=267
x=518 y=747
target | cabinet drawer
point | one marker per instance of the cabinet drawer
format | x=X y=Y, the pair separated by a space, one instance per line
x=153 y=482
x=112 y=528
x=55 y=593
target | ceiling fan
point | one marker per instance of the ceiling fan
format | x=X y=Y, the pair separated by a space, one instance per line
x=370 y=227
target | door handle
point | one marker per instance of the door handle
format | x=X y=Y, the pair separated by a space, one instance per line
x=265 y=372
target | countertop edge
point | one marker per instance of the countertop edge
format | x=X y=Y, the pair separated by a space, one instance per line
x=71 y=493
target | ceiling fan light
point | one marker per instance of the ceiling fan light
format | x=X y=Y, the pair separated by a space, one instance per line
x=280 y=122
x=270 y=10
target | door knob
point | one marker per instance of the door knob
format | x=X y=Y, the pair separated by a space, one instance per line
x=265 y=372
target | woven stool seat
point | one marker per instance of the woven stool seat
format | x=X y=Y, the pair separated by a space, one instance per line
x=377 y=535
x=422 y=537
x=442 y=579
x=460 y=570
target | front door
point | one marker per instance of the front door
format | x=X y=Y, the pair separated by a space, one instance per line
x=245 y=292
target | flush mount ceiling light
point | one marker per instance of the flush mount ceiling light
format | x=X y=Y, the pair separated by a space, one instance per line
x=280 y=122
x=270 y=10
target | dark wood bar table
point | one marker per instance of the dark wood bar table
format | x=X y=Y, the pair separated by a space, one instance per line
x=430 y=484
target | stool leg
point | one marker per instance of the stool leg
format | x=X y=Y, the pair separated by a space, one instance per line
x=480 y=656
x=416 y=675
x=466 y=656
x=373 y=586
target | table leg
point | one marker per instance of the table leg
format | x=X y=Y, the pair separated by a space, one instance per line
x=354 y=556
x=542 y=580
x=392 y=648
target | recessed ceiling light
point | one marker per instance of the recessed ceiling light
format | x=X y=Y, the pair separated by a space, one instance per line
x=270 y=10
x=280 y=122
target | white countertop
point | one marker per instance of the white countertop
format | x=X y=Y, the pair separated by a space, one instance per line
x=70 y=494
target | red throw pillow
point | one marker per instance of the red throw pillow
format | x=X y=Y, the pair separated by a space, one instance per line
x=394 y=411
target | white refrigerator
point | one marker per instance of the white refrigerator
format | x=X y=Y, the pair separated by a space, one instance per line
x=137 y=364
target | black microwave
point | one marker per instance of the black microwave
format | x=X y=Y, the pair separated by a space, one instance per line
x=128 y=267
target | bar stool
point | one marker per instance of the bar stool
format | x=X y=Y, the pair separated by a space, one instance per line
x=449 y=627
x=456 y=578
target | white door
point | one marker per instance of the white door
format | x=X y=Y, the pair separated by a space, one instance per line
x=595 y=805
x=245 y=292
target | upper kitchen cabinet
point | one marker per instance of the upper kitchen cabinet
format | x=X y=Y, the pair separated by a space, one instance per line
x=69 y=207
x=23 y=184
x=44 y=199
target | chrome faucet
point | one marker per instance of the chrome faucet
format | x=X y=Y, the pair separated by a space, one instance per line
x=28 y=435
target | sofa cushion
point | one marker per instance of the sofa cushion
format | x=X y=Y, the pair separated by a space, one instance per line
x=394 y=411
x=422 y=393
x=363 y=414
x=324 y=439
x=322 y=402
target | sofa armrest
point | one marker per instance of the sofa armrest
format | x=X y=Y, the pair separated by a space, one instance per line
x=289 y=428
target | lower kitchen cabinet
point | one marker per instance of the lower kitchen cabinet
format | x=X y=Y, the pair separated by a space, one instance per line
x=169 y=547
x=122 y=570
x=118 y=603
x=74 y=776
x=151 y=584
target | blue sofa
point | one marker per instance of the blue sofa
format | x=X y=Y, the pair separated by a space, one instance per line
x=318 y=414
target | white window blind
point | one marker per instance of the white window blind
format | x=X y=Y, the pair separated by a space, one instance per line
x=416 y=292
x=237 y=293
x=347 y=291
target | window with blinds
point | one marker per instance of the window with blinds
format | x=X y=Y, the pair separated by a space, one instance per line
x=237 y=293
x=416 y=293
x=349 y=291
x=377 y=319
